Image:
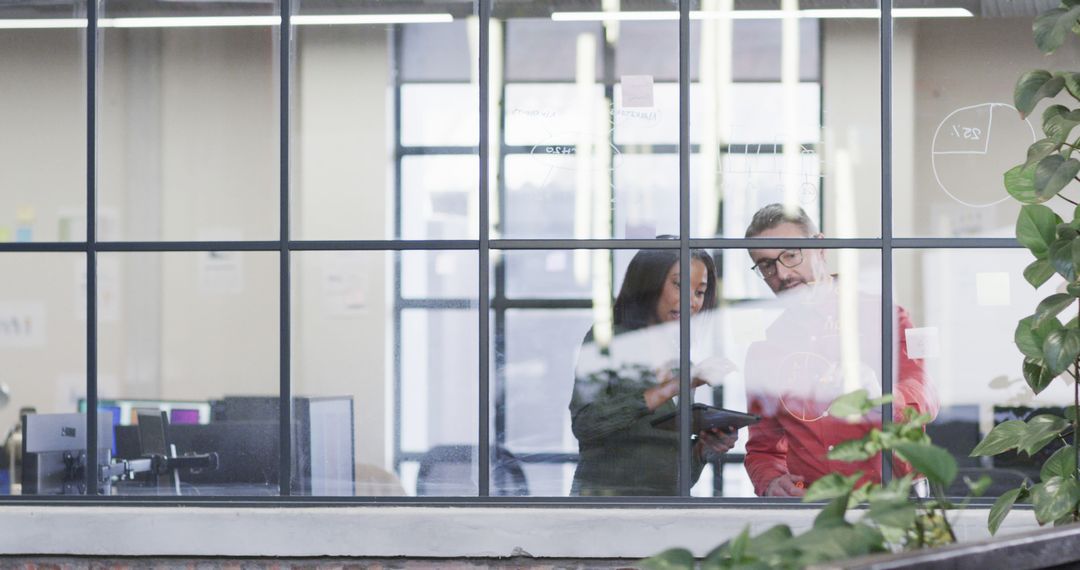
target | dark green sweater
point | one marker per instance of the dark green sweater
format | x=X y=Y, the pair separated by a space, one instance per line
x=621 y=453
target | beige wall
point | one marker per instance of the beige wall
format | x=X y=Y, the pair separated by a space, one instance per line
x=188 y=150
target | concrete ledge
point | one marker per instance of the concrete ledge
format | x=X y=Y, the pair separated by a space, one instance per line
x=424 y=532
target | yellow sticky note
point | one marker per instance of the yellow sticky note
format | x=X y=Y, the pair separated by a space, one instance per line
x=25 y=214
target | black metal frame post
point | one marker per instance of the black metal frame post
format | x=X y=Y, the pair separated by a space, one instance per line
x=685 y=390
x=484 y=435
x=285 y=406
x=888 y=314
x=91 y=252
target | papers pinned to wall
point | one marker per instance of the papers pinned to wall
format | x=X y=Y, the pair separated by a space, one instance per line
x=922 y=343
x=637 y=91
x=22 y=324
x=992 y=289
x=343 y=284
x=221 y=272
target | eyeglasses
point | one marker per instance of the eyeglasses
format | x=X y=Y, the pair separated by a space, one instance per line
x=766 y=268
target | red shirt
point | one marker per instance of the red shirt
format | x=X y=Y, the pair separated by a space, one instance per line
x=795 y=433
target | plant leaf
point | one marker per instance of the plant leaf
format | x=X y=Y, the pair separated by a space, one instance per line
x=1051 y=26
x=1061 y=258
x=832 y=514
x=1036 y=229
x=1041 y=149
x=979 y=487
x=1053 y=173
x=1073 y=289
x=1002 y=506
x=671 y=559
x=937 y=464
x=831 y=486
x=1041 y=430
x=1061 y=464
x=851 y=405
x=1051 y=306
x=1020 y=184
x=1029 y=339
x=1034 y=86
x=775 y=539
x=1072 y=84
x=1058 y=122
x=1003 y=437
x=1060 y=349
x=1054 y=498
x=1037 y=376
x=895 y=513
x=854 y=450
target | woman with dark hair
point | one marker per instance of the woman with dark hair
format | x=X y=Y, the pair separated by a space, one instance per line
x=612 y=409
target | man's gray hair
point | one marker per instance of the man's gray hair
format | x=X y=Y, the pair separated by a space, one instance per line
x=773 y=215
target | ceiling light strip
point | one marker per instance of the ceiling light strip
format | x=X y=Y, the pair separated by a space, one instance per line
x=225 y=21
x=760 y=14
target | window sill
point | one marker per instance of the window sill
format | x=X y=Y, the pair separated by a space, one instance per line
x=441 y=532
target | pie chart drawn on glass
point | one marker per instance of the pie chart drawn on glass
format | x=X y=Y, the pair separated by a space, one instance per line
x=974 y=146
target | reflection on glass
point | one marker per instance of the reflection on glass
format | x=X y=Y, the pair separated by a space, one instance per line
x=820 y=342
x=385 y=121
x=360 y=345
x=580 y=377
x=43 y=139
x=43 y=346
x=193 y=336
x=968 y=302
x=772 y=93
x=957 y=127
x=583 y=98
x=188 y=121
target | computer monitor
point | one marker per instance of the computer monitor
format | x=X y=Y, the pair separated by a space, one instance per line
x=180 y=411
x=245 y=434
x=54 y=453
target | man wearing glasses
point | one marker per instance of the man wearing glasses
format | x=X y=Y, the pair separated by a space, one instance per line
x=794 y=374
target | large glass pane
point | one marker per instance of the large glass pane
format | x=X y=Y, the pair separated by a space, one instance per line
x=965 y=305
x=587 y=102
x=43 y=113
x=43 y=346
x=396 y=367
x=193 y=336
x=385 y=121
x=785 y=357
x=956 y=131
x=785 y=109
x=188 y=121
x=580 y=379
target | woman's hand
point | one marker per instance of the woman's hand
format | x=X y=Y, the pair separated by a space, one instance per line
x=714 y=443
x=668 y=387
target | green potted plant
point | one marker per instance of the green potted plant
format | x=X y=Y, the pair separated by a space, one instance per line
x=890 y=521
x=1051 y=349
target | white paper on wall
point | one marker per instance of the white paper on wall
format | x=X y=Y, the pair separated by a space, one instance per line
x=22 y=324
x=221 y=272
x=992 y=289
x=343 y=283
x=922 y=342
x=637 y=91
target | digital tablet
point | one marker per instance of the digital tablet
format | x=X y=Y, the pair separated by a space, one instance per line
x=708 y=417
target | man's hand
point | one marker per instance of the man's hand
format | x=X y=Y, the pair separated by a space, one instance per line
x=786 y=485
x=715 y=442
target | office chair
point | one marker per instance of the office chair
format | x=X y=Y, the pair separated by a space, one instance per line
x=449 y=470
